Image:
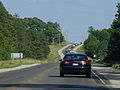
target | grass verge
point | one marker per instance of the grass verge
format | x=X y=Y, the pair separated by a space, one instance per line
x=117 y=66
x=52 y=58
x=81 y=50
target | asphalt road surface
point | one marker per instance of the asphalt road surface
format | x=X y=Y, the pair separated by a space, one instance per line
x=66 y=49
x=46 y=77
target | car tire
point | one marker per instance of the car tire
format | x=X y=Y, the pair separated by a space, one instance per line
x=61 y=74
x=88 y=74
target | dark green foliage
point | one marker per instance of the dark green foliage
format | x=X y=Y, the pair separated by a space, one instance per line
x=53 y=33
x=4 y=45
x=97 y=43
x=34 y=24
x=6 y=27
x=116 y=22
x=91 y=45
x=30 y=36
x=109 y=46
x=114 y=43
x=114 y=46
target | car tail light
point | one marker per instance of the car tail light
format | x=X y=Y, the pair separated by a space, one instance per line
x=66 y=62
x=85 y=62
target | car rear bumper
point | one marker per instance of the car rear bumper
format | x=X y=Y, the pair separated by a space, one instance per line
x=76 y=70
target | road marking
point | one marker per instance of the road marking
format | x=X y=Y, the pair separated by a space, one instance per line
x=98 y=77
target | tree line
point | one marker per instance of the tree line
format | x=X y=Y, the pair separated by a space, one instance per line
x=30 y=36
x=105 y=43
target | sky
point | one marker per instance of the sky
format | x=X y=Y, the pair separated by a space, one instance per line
x=74 y=16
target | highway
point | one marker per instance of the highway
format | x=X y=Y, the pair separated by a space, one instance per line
x=46 y=77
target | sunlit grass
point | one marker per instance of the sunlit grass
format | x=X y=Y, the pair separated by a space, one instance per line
x=81 y=50
x=54 y=56
x=17 y=62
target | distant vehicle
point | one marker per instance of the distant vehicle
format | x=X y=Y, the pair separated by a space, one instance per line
x=75 y=64
x=71 y=51
x=73 y=45
x=76 y=44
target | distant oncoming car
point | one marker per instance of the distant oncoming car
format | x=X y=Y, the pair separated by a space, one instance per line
x=75 y=64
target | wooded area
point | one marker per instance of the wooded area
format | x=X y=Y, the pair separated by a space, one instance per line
x=105 y=44
x=31 y=36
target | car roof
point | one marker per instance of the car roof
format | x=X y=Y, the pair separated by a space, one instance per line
x=76 y=54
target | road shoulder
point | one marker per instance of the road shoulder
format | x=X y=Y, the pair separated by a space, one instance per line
x=109 y=75
x=17 y=68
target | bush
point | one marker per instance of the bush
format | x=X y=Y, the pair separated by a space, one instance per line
x=117 y=66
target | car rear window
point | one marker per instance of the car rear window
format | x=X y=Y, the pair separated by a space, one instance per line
x=75 y=57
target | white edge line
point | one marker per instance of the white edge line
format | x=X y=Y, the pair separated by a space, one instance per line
x=98 y=77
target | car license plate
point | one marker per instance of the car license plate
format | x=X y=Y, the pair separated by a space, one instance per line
x=75 y=64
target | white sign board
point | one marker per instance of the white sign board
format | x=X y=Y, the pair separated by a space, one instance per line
x=16 y=55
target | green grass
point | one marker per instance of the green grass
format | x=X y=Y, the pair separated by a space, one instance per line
x=15 y=63
x=81 y=50
x=53 y=57
x=117 y=66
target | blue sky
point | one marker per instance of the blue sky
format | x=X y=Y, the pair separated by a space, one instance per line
x=74 y=16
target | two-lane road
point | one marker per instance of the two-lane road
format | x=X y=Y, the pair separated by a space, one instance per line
x=46 y=77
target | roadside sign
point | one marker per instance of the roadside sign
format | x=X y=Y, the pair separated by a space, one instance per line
x=16 y=55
